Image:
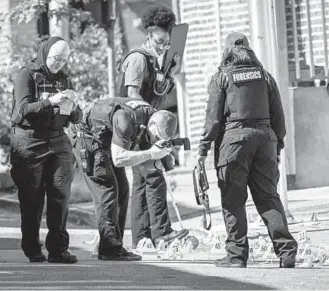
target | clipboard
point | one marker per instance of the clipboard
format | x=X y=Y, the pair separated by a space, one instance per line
x=178 y=40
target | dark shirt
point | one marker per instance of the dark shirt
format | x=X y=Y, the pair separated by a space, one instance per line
x=123 y=129
x=215 y=113
x=33 y=106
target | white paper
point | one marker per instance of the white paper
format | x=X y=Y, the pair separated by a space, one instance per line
x=69 y=103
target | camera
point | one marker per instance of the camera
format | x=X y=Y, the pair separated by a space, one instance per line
x=181 y=141
x=166 y=162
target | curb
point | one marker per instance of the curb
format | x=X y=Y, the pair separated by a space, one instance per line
x=76 y=216
x=87 y=218
x=9 y=204
x=82 y=217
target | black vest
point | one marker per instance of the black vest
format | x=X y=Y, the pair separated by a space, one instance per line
x=146 y=90
x=98 y=117
x=247 y=94
x=42 y=89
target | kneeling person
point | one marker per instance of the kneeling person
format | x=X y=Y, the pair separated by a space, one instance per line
x=104 y=143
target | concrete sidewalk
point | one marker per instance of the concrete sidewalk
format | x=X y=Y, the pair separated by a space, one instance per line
x=302 y=203
x=183 y=273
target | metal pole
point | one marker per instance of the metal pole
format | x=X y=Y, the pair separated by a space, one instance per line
x=325 y=43
x=180 y=89
x=310 y=42
x=282 y=54
x=259 y=31
x=276 y=15
x=112 y=11
x=165 y=176
x=296 y=49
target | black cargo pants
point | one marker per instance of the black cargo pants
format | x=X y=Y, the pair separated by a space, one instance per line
x=149 y=209
x=42 y=164
x=248 y=157
x=109 y=188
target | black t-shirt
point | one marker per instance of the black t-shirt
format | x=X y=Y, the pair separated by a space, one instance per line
x=123 y=129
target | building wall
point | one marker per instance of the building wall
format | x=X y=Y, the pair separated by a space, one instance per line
x=234 y=16
x=310 y=106
x=209 y=23
x=317 y=32
x=200 y=59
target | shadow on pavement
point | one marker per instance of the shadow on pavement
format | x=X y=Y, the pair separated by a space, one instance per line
x=93 y=274
x=90 y=273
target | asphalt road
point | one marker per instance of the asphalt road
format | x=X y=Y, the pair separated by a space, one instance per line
x=17 y=273
x=90 y=273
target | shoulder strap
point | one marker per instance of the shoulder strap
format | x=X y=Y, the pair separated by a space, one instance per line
x=141 y=51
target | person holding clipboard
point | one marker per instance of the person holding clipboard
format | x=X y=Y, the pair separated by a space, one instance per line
x=141 y=77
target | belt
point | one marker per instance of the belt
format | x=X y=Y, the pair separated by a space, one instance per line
x=246 y=124
x=33 y=133
x=255 y=125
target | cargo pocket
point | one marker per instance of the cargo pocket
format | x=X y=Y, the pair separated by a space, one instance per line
x=231 y=160
x=272 y=136
x=14 y=144
x=231 y=149
x=102 y=170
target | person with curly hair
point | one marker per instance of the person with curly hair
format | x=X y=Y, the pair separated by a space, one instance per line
x=149 y=210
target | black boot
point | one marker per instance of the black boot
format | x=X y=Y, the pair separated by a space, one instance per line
x=227 y=262
x=119 y=254
x=37 y=258
x=64 y=258
x=287 y=262
x=179 y=234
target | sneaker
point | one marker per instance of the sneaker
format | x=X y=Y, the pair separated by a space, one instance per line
x=287 y=263
x=179 y=234
x=64 y=257
x=37 y=258
x=119 y=254
x=227 y=262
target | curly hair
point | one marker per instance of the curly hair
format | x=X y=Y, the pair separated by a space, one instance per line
x=160 y=16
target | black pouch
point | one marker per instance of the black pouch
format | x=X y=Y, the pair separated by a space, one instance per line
x=167 y=163
x=86 y=162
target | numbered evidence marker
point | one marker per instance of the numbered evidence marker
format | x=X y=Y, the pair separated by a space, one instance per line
x=173 y=251
x=145 y=247
x=261 y=249
x=218 y=248
x=269 y=255
x=252 y=246
x=161 y=249
x=308 y=255
x=321 y=256
x=302 y=237
x=178 y=249
x=187 y=246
